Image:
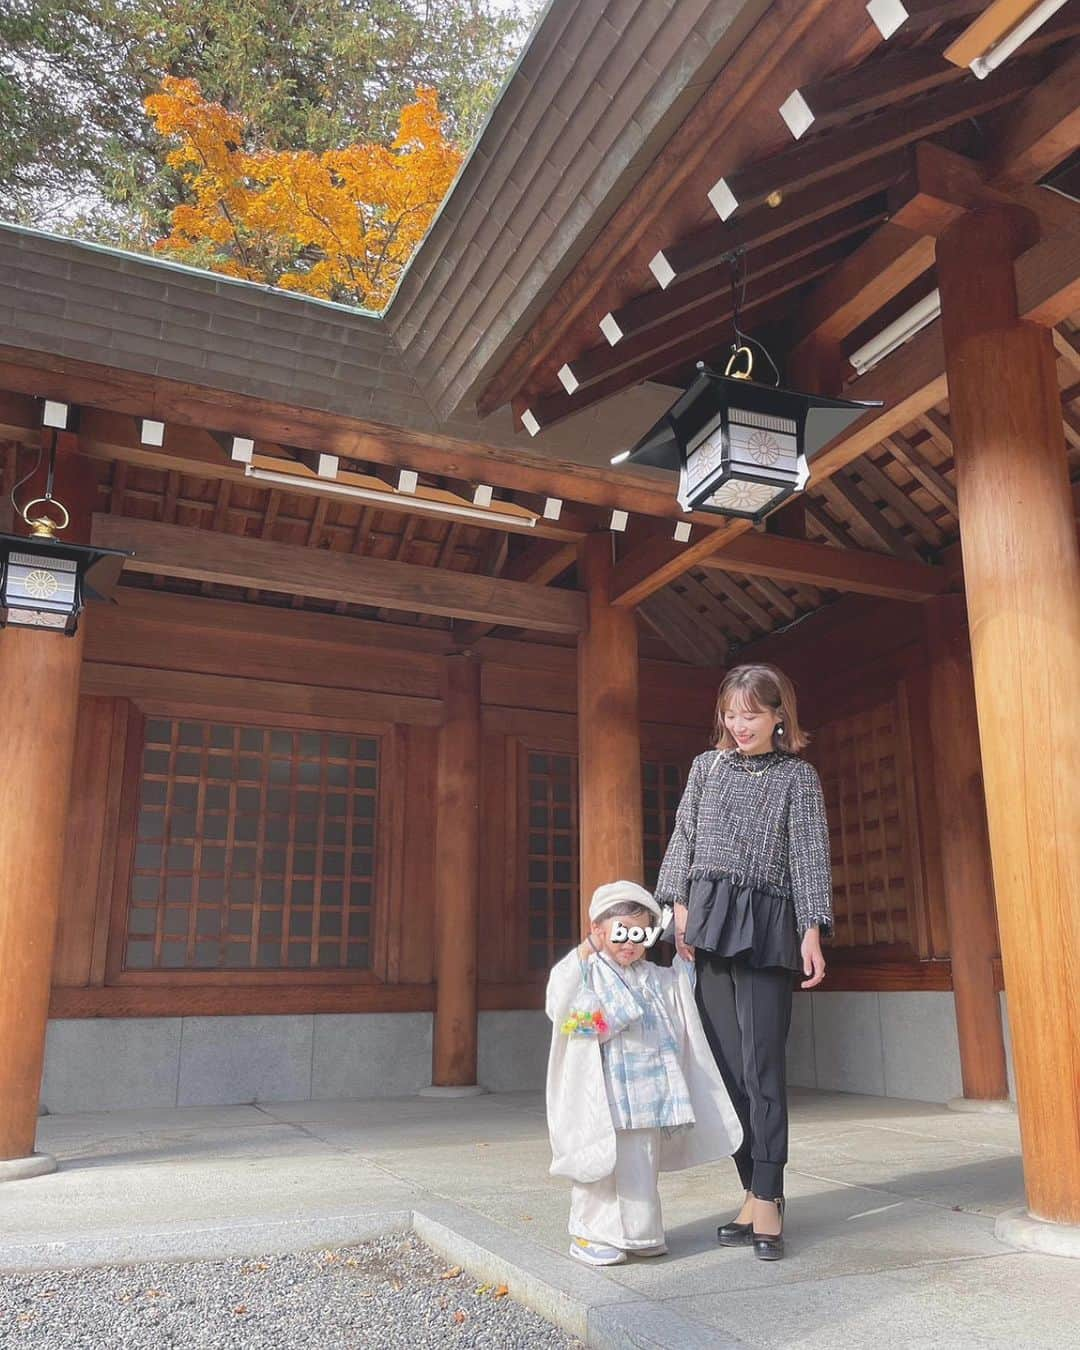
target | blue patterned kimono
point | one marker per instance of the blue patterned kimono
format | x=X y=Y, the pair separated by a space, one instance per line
x=642 y=1050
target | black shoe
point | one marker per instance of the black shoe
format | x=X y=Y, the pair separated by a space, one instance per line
x=735 y=1234
x=770 y=1246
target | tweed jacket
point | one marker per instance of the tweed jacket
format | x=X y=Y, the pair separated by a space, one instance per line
x=765 y=829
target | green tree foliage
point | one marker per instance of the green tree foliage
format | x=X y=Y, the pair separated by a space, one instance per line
x=78 y=153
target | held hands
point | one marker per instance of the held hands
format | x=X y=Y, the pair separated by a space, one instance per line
x=687 y=953
x=812 y=959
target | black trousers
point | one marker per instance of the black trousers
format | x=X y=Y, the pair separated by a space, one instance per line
x=746 y=1012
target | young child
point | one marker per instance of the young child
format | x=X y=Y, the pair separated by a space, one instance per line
x=632 y=1089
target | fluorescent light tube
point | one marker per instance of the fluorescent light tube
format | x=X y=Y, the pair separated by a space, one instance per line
x=386 y=499
x=897 y=333
x=994 y=56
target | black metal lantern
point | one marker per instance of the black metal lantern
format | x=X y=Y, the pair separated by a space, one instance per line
x=741 y=448
x=45 y=582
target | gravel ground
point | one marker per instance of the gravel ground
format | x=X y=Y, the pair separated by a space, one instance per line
x=393 y=1292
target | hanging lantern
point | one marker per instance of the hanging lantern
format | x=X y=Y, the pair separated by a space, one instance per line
x=741 y=448
x=45 y=582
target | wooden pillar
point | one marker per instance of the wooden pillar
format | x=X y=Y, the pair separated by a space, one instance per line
x=1022 y=578
x=967 y=874
x=457 y=864
x=39 y=693
x=609 y=736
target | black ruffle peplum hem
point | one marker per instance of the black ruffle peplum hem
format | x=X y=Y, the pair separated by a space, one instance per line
x=731 y=918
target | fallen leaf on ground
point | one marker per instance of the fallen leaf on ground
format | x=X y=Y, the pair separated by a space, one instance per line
x=451 y=1274
x=459 y=1317
x=501 y=1292
x=481 y=1288
x=240 y=1308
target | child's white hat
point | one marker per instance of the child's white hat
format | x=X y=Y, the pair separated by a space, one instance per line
x=619 y=892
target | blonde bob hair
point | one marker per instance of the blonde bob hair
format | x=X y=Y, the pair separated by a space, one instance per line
x=764 y=689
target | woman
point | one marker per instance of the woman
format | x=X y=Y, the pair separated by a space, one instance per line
x=747 y=870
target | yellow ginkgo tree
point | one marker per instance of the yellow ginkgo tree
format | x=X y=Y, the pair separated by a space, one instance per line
x=341 y=224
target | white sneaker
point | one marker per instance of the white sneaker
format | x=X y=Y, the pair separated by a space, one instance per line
x=596 y=1253
x=659 y=1250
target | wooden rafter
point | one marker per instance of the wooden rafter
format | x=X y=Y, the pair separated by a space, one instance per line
x=883 y=487
x=292 y=569
x=872 y=517
x=760 y=225
x=804 y=39
x=797 y=560
x=683 y=300
x=631 y=364
x=675 y=620
x=844 y=147
x=1043 y=130
x=922 y=470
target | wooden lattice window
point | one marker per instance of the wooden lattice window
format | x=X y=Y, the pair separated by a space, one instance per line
x=254 y=849
x=551 y=858
x=860 y=759
x=661 y=788
x=551 y=854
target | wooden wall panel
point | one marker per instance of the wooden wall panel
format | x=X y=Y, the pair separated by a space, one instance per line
x=413 y=904
x=90 y=847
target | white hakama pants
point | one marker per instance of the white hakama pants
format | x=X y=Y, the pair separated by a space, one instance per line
x=622 y=1210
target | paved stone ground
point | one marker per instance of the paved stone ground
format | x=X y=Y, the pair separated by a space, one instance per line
x=891 y=1207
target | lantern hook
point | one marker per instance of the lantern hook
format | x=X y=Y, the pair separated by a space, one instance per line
x=736 y=353
x=43 y=526
x=743 y=341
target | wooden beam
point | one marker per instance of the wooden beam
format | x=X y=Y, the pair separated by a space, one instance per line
x=882 y=486
x=703 y=250
x=891 y=259
x=99 y=390
x=651 y=566
x=671 y=618
x=685 y=297
x=681 y=323
x=738 y=597
x=832 y=531
x=1043 y=130
x=1067 y=348
x=653 y=360
x=785 y=559
x=200 y=555
x=539 y=564
x=874 y=85
x=822 y=565
x=922 y=470
x=874 y=519
x=845 y=147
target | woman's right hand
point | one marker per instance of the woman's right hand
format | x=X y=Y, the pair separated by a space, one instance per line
x=681 y=915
